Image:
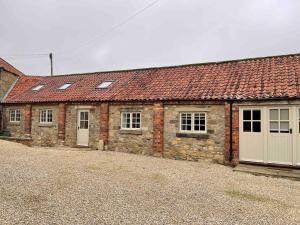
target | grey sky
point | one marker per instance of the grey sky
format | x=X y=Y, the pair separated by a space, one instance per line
x=170 y=32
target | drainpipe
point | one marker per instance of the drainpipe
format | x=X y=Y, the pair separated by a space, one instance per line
x=230 y=135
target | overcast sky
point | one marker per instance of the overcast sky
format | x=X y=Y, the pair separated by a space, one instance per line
x=96 y=35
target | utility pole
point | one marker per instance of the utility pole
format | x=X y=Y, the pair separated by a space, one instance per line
x=51 y=63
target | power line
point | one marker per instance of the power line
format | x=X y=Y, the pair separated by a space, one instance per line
x=125 y=21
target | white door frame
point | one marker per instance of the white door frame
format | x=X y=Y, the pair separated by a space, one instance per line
x=83 y=128
x=293 y=146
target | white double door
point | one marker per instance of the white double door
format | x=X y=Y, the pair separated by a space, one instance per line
x=270 y=135
x=83 y=128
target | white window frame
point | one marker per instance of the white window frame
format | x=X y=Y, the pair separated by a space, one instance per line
x=131 y=128
x=46 y=117
x=14 y=112
x=65 y=86
x=193 y=123
x=38 y=87
x=252 y=120
x=105 y=84
x=279 y=120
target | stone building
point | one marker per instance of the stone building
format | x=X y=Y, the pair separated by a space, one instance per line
x=236 y=111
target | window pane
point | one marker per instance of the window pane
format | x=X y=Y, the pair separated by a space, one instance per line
x=247 y=114
x=49 y=119
x=136 y=120
x=43 y=116
x=256 y=114
x=274 y=114
x=12 y=115
x=125 y=120
x=284 y=127
x=81 y=115
x=197 y=122
x=274 y=127
x=284 y=114
x=186 y=121
x=256 y=126
x=247 y=126
x=18 y=115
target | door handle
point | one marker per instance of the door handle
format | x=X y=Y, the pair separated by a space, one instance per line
x=291 y=130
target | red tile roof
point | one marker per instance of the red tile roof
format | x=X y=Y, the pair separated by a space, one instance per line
x=4 y=64
x=258 y=78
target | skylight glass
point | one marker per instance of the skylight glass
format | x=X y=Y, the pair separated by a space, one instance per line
x=105 y=84
x=65 y=86
x=39 y=87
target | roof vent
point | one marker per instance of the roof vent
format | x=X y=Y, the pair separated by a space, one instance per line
x=38 y=87
x=105 y=84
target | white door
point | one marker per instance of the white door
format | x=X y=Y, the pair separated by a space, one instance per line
x=251 y=135
x=297 y=134
x=270 y=135
x=83 y=128
x=280 y=136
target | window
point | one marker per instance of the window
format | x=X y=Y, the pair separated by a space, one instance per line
x=252 y=120
x=39 y=87
x=15 y=115
x=65 y=86
x=84 y=120
x=131 y=120
x=279 y=120
x=193 y=122
x=46 y=116
x=105 y=84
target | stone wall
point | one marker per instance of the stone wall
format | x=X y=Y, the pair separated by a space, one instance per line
x=16 y=129
x=71 y=125
x=44 y=134
x=6 y=81
x=133 y=141
x=193 y=147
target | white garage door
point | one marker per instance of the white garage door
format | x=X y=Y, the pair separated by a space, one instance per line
x=270 y=135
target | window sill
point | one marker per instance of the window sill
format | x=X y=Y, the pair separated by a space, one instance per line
x=199 y=136
x=14 y=123
x=134 y=132
x=46 y=125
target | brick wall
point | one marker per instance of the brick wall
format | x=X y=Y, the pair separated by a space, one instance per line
x=104 y=120
x=158 y=129
x=235 y=133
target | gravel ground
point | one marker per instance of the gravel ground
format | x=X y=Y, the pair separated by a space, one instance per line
x=67 y=186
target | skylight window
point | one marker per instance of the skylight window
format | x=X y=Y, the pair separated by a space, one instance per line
x=39 y=87
x=105 y=84
x=65 y=86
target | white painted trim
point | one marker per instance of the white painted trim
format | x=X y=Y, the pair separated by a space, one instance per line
x=130 y=117
x=193 y=123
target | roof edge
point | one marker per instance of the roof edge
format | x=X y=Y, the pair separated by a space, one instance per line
x=174 y=66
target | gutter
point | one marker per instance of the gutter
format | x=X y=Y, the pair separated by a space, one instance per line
x=230 y=133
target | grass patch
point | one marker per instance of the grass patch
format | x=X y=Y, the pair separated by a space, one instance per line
x=157 y=177
x=247 y=196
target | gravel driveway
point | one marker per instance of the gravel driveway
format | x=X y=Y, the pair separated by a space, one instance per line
x=67 y=186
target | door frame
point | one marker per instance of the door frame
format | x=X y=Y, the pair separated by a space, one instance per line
x=78 y=126
x=294 y=125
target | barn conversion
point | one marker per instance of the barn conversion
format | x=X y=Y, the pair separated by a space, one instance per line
x=235 y=111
